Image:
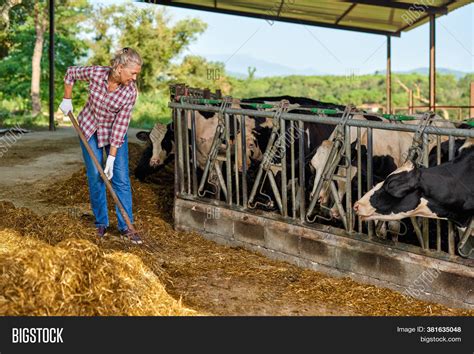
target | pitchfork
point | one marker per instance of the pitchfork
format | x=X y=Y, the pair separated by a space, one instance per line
x=102 y=174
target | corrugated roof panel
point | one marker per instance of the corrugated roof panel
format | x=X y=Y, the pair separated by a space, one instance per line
x=365 y=15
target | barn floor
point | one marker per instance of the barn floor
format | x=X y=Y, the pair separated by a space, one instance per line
x=43 y=193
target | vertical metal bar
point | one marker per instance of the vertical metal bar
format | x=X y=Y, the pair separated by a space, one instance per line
x=276 y=192
x=417 y=231
x=187 y=115
x=243 y=128
x=284 y=191
x=340 y=208
x=236 y=164
x=51 y=66
x=194 y=153
x=221 y=181
x=451 y=243
x=301 y=171
x=347 y=143
x=432 y=62
x=438 y=222
x=370 y=182
x=262 y=169
x=176 y=167
x=389 y=75
x=179 y=133
x=426 y=224
x=359 y=172
x=292 y=166
x=471 y=101
x=228 y=163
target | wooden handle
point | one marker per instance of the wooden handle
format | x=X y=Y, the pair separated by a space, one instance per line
x=101 y=171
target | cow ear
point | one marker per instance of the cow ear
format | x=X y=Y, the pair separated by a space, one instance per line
x=143 y=136
x=400 y=184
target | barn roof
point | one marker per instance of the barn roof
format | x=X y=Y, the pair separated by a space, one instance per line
x=370 y=16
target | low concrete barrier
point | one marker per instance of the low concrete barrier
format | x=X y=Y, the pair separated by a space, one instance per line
x=445 y=279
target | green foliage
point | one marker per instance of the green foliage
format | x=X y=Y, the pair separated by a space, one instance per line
x=150 y=32
x=356 y=89
x=150 y=109
x=17 y=46
x=195 y=71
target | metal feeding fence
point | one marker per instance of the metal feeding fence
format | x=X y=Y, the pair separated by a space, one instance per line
x=215 y=169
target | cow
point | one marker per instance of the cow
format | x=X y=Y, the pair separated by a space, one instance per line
x=445 y=191
x=390 y=150
x=259 y=129
x=444 y=152
x=158 y=152
x=160 y=148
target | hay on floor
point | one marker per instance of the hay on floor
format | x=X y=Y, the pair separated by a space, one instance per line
x=76 y=278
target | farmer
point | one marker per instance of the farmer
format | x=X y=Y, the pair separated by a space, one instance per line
x=104 y=122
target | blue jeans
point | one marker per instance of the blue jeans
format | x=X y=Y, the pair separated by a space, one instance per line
x=120 y=183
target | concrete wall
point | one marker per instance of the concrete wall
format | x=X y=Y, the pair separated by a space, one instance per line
x=444 y=279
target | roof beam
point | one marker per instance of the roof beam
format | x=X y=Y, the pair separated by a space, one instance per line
x=403 y=6
x=423 y=18
x=271 y=18
x=345 y=13
x=280 y=8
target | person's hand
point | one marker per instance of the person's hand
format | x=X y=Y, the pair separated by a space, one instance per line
x=109 y=167
x=66 y=106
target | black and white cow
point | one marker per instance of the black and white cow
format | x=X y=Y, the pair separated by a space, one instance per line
x=259 y=130
x=445 y=191
x=390 y=149
x=160 y=143
x=158 y=152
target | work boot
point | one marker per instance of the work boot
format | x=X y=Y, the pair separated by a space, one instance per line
x=101 y=231
x=133 y=237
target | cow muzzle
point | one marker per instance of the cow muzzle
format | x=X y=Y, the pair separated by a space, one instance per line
x=155 y=162
x=363 y=210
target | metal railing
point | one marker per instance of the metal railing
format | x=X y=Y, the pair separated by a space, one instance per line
x=280 y=183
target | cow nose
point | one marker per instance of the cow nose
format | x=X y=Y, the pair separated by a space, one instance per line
x=154 y=162
x=356 y=207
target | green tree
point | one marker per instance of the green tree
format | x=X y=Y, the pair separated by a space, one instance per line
x=195 y=71
x=24 y=68
x=147 y=30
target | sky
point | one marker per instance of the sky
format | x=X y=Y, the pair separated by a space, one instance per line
x=238 y=41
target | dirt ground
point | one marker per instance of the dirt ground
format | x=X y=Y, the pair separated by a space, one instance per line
x=43 y=172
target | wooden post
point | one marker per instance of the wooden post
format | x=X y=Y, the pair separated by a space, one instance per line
x=410 y=101
x=471 y=110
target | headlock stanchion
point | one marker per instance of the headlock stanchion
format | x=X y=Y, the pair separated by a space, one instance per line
x=280 y=170
x=327 y=176
x=416 y=155
x=212 y=170
x=466 y=244
x=268 y=167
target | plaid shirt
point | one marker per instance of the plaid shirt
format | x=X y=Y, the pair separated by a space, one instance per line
x=107 y=113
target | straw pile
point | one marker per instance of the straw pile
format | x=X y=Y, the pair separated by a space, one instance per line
x=208 y=277
x=77 y=278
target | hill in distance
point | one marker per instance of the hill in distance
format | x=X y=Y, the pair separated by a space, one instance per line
x=238 y=64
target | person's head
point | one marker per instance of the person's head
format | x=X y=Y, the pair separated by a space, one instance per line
x=126 y=65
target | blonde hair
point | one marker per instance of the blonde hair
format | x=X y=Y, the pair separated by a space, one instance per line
x=125 y=56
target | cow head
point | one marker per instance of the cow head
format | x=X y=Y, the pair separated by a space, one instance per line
x=161 y=138
x=398 y=197
x=318 y=161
